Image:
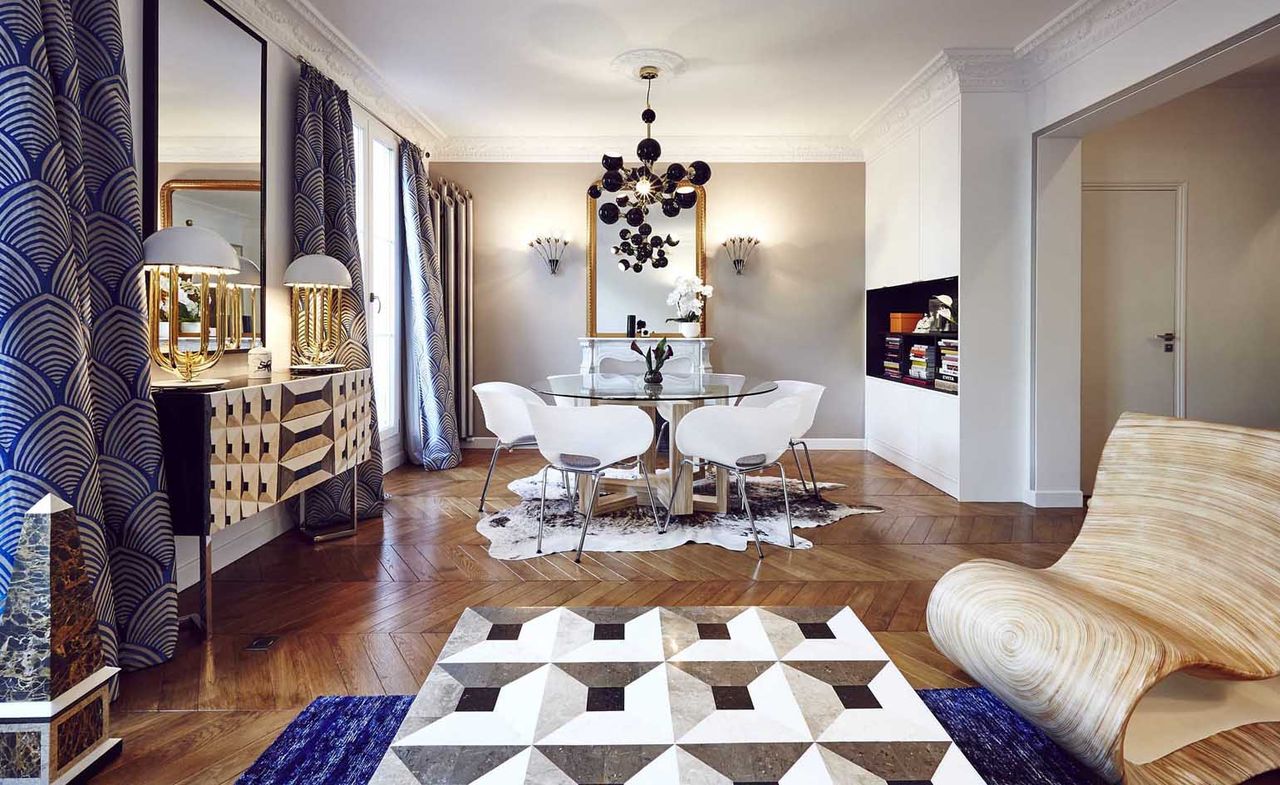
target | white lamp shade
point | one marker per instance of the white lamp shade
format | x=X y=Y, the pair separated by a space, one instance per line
x=317 y=269
x=193 y=249
x=249 y=277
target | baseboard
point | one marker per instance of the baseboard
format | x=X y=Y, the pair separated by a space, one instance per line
x=392 y=460
x=1036 y=498
x=948 y=485
x=836 y=443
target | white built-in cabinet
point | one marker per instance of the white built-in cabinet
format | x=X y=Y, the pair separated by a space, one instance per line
x=913 y=234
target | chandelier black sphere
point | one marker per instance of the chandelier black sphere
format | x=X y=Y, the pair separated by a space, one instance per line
x=636 y=189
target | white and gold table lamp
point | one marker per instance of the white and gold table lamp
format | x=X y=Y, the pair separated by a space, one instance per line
x=317 y=281
x=191 y=264
x=248 y=283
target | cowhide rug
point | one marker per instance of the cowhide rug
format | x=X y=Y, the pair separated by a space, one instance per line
x=513 y=533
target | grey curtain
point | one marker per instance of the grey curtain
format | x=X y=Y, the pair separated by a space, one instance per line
x=324 y=221
x=431 y=416
x=452 y=216
x=76 y=417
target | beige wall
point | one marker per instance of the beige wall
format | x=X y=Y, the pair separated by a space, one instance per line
x=1223 y=142
x=797 y=312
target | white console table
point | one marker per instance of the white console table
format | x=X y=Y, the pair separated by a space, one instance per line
x=698 y=350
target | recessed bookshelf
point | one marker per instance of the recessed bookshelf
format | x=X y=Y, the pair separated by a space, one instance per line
x=893 y=353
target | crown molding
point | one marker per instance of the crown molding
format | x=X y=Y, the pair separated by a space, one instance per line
x=301 y=30
x=1079 y=30
x=1071 y=35
x=937 y=85
x=588 y=149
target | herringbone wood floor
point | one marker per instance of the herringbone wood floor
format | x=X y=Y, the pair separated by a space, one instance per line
x=368 y=615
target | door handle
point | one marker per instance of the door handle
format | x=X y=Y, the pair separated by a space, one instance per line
x=1165 y=336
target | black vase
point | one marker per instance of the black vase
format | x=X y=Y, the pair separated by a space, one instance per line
x=653 y=377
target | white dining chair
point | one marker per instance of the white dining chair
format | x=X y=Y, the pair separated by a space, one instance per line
x=809 y=395
x=566 y=382
x=680 y=365
x=506 y=415
x=739 y=441
x=587 y=440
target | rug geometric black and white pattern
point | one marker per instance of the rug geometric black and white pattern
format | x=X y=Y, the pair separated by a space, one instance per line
x=513 y=533
x=656 y=696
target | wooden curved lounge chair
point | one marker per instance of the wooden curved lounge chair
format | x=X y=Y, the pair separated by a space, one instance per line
x=1177 y=568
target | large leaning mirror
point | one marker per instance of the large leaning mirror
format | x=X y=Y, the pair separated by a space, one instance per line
x=614 y=293
x=204 y=140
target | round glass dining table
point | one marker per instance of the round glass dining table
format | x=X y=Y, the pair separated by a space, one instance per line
x=626 y=387
x=675 y=397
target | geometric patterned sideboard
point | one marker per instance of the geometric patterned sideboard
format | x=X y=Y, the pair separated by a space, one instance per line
x=271 y=442
x=232 y=453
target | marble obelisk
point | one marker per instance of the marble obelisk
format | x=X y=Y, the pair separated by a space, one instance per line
x=54 y=690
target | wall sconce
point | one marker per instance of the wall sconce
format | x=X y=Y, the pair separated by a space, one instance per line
x=551 y=250
x=317 y=281
x=740 y=250
x=191 y=263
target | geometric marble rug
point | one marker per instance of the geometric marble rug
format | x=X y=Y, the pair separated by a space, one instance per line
x=513 y=533
x=655 y=696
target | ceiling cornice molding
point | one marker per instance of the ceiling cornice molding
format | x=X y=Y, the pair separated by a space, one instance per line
x=940 y=83
x=299 y=28
x=1071 y=35
x=588 y=149
x=1079 y=30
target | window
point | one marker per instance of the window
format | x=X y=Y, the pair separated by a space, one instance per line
x=377 y=226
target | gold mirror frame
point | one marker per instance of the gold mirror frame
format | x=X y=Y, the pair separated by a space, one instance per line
x=700 y=262
x=166 y=220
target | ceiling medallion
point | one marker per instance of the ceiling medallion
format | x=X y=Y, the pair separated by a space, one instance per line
x=643 y=186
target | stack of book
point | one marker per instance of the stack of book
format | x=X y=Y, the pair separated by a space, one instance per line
x=893 y=357
x=924 y=363
x=949 y=370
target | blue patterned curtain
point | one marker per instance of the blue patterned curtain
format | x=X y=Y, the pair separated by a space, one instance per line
x=324 y=221
x=431 y=423
x=76 y=418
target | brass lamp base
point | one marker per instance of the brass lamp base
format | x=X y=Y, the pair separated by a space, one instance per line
x=325 y=368
x=197 y=384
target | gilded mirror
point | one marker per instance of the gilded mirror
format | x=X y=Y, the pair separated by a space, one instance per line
x=613 y=293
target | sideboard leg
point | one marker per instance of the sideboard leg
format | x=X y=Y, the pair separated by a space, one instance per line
x=336 y=531
x=202 y=621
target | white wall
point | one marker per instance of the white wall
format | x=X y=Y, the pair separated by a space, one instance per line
x=796 y=313
x=1150 y=52
x=1221 y=142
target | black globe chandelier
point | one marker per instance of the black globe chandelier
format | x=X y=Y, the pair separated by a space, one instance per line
x=640 y=187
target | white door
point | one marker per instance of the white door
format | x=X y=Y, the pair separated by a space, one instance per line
x=1130 y=297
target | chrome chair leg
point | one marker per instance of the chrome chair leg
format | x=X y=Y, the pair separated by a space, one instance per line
x=542 y=508
x=675 y=485
x=493 y=461
x=568 y=492
x=648 y=486
x=786 y=503
x=813 y=478
x=799 y=470
x=751 y=517
x=591 y=508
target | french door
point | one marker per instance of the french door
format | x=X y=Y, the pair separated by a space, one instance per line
x=378 y=222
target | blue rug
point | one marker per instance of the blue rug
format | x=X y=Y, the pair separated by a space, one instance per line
x=339 y=740
x=336 y=740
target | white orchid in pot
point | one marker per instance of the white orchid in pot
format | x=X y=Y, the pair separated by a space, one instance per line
x=689 y=298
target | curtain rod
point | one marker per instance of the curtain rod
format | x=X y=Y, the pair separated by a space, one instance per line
x=354 y=100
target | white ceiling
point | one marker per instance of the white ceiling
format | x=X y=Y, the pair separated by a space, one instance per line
x=757 y=68
x=210 y=82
